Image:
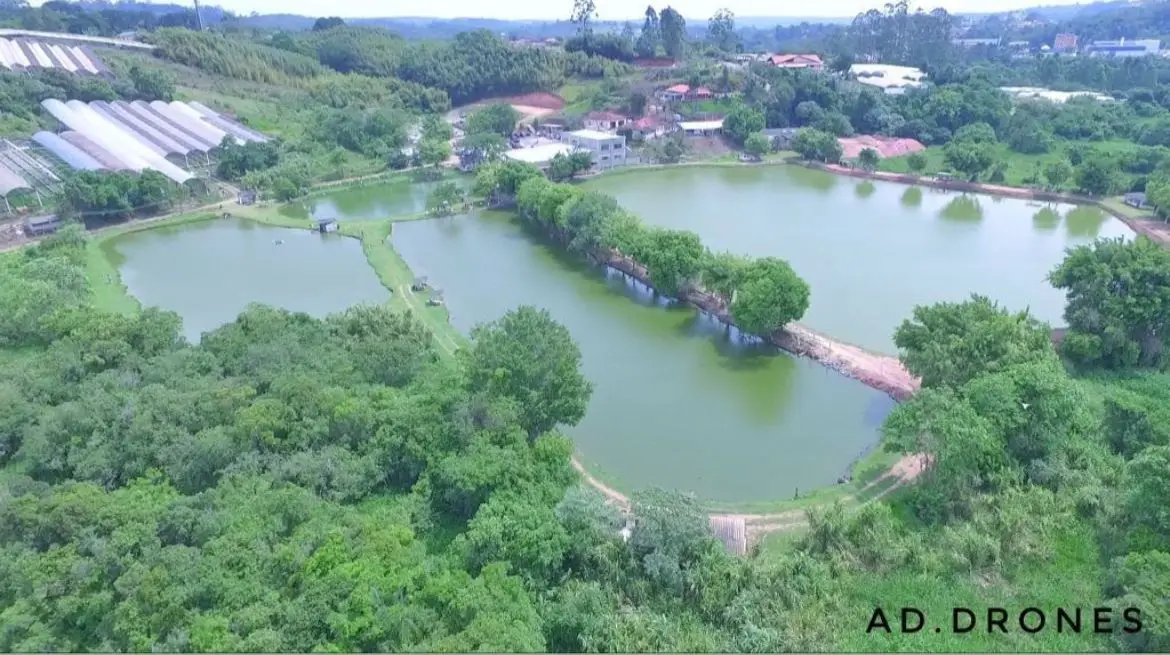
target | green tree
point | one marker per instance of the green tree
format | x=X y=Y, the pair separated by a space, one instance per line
x=916 y=162
x=769 y=296
x=647 y=44
x=584 y=11
x=757 y=145
x=1140 y=581
x=1057 y=173
x=868 y=159
x=1097 y=176
x=530 y=358
x=1118 y=307
x=721 y=30
x=969 y=157
x=741 y=122
x=815 y=145
x=949 y=344
x=565 y=167
x=445 y=199
x=673 y=260
x=673 y=30
x=432 y=152
x=499 y=118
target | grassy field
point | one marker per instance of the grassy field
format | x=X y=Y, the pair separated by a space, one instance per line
x=1020 y=168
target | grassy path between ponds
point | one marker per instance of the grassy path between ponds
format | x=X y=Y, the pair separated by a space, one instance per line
x=874 y=476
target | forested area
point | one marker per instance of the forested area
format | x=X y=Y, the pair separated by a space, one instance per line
x=300 y=484
x=108 y=20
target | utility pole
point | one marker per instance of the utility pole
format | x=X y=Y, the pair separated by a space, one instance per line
x=198 y=17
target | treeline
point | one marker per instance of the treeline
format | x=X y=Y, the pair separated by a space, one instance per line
x=102 y=20
x=234 y=58
x=471 y=66
x=762 y=295
x=21 y=93
x=102 y=197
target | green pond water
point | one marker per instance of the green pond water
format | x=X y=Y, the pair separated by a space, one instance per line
x=209 y=272
x=870 y=250
x=397 y=197
x=676 y=403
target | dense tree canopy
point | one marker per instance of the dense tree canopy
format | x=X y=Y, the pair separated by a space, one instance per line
x=950 y=344
x=1118 y=302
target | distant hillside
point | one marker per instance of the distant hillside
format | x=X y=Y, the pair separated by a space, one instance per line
x=1097 y=18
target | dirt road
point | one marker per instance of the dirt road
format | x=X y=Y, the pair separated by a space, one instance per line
x=758 y=525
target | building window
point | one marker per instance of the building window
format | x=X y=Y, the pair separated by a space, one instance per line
x=605 y=146
x=605 y=158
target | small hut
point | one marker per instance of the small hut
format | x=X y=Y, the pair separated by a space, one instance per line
x=36 y=226
x=246 y=197
x=1137 y=200
x=436 y=299
x=419 y=285
x=326 y=225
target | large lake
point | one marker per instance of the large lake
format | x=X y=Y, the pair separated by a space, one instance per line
x=870 y=251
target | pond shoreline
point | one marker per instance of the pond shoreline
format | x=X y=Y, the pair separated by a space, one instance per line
x=1156 y=231
x=882 y=372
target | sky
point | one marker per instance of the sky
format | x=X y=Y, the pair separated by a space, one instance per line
x=607 y=9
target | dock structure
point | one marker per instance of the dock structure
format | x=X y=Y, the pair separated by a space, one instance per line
x=732 y=531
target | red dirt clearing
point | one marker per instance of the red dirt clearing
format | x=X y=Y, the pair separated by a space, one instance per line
x=885 y=146
x=540 y=100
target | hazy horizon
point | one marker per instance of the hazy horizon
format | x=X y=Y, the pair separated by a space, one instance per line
x=608 y=10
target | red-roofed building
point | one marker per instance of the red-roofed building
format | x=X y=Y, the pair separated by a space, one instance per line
x=811 y=62
x=676 y=93
x=703 y=93
x=605 y=121
x=652 y=126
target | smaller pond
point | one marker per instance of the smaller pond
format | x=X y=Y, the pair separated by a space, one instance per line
x=398 y=197
x=209 y=272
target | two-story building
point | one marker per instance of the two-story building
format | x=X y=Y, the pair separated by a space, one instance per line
x=605 y=121
x=608 y=150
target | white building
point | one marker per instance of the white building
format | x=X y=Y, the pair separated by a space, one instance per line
x=540 y=155
x=608 y=150
x=701 y=128
x=1026 y=92
x=1124 y=48
x=892 y=80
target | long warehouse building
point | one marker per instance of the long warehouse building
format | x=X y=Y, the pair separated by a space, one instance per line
x=21 y=54
x=78 y=159
x=137 y=135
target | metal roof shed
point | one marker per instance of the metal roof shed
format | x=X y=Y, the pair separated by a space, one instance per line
x=109 y=136
x=243 y=130
x=39 y=56
x=182 y=134
x=82 y=59
x=19 y=57
x=75 y=157
x=148 y=132
x=10 y=181
x=106 y=158
x=194 y=118
x=62 y=57
x=143 y=139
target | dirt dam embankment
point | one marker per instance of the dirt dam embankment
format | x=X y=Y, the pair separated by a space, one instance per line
x=882 y=372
